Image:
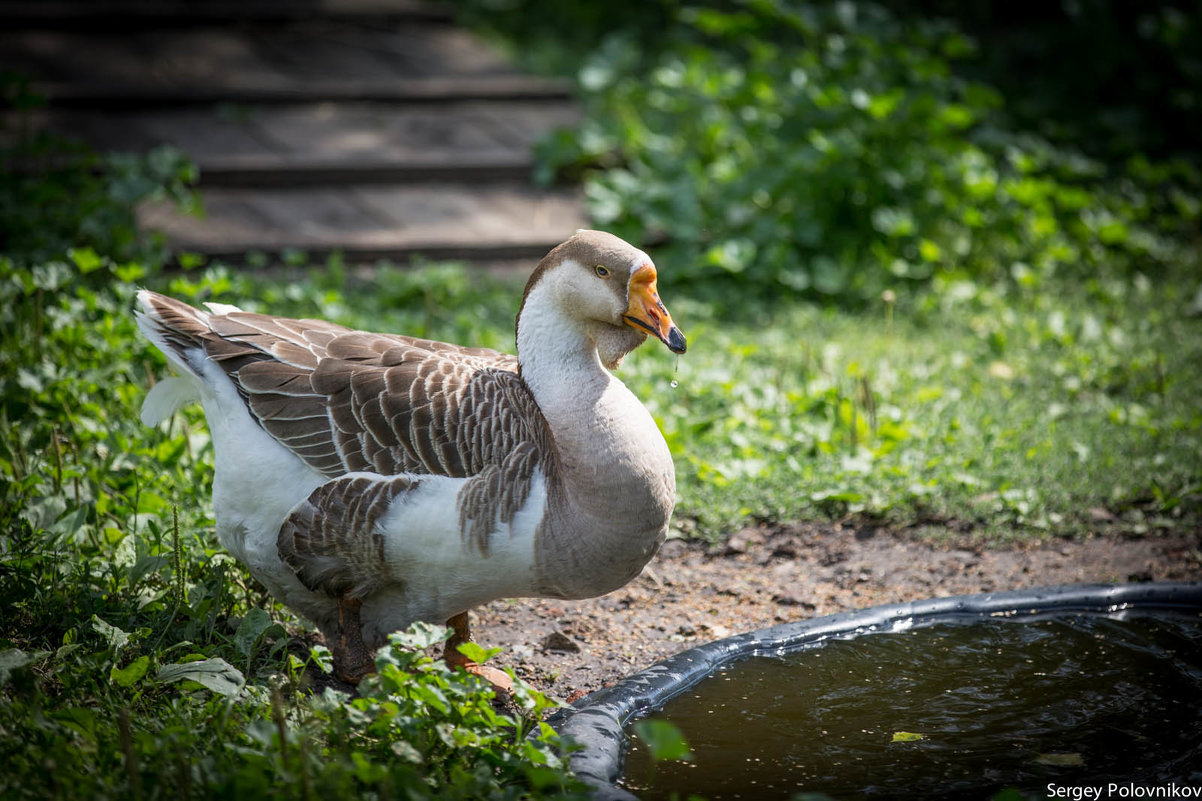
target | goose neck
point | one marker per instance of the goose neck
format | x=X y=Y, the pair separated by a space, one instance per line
x=614 y=485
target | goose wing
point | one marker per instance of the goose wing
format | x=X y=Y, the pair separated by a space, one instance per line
x=347 y=401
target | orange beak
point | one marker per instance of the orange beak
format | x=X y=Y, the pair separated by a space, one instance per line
x=647 y=311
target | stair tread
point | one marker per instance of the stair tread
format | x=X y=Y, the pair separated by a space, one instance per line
x=396 y=219
x=326 y=136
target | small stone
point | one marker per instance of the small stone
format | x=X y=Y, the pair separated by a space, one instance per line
x=792 y=595
x=833 y=557
x=743 y=541
x=558 y=641
x=786 y=550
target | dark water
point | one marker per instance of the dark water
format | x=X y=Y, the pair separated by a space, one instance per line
x=1072 y=701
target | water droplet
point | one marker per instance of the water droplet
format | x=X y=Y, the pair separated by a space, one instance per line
x=674 y=383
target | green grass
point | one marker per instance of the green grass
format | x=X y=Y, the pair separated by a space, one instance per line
x=1014 y=411
x=1024 y=408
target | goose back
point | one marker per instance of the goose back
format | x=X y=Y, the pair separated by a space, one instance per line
x=348 y=401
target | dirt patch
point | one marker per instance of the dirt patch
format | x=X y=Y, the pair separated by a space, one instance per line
x=691 y=594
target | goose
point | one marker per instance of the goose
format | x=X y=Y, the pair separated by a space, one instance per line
x=373 y=480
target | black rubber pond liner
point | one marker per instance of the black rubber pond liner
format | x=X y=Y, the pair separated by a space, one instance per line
x=595 y=723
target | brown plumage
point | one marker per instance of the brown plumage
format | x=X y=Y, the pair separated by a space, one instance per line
x=333 y=541
x=346 y=401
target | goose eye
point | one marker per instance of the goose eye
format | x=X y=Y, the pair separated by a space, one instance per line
x=601 y=271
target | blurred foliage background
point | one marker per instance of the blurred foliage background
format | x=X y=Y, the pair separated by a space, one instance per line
x=835 y=149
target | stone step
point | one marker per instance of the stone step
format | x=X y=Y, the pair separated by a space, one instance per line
x=432 y=90
x=399 y=222
x=372 y=128
x=127 y=14
x=288 y=62
x=305 y=144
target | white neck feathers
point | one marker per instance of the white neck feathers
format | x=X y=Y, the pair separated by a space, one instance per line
x=555 y=353
x=614 y=490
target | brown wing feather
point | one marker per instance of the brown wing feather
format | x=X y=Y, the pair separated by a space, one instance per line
x=346 y=400
x=332 y=539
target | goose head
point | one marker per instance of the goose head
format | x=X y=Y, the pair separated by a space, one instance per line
x=605 y=288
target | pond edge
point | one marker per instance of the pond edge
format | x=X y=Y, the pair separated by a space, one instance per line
x=595 y=723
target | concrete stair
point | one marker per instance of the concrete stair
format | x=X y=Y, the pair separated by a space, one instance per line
x=373 y=128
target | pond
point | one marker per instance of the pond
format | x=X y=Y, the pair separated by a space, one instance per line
x=1035 y=691
x=950 y=710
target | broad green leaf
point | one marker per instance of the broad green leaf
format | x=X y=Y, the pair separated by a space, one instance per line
x=906 y=737
x=14 y=659
x=131 y=674
x=129 y=273
x=80 y=720
x=254 y=623
x=86 y=259
x=421 y=635
x=322 y=657
x=406 y=752
x=63 y=651
x=664 y=740
x=115 y=637
x=215 y=674
x=477 y=653
x=144 y=565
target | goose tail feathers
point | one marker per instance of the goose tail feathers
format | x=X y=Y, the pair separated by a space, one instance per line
x=176 y=329
x=173 y=326
x=165 y=399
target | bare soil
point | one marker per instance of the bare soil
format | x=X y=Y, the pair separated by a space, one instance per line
x=759 y=577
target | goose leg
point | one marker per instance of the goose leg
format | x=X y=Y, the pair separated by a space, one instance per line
x=461 y=633
x=352 y=660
